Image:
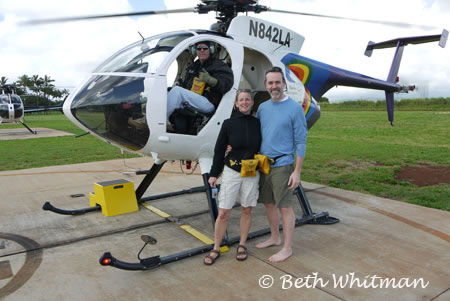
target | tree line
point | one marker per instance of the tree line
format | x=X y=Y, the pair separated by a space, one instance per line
x=36 y=90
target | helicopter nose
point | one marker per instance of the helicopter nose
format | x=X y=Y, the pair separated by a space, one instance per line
x=113 y=107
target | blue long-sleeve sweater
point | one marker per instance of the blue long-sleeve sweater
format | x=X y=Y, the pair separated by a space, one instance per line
x=283 y=130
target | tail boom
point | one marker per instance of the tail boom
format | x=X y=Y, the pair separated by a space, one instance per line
x=318 y=77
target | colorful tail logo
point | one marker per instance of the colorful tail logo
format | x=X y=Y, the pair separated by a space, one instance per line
x=303 y=71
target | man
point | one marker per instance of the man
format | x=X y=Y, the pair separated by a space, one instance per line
x=284 y=131
x=206 y=81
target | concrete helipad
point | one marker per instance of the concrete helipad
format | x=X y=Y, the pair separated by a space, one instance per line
x=23 y=133
x=380 y=250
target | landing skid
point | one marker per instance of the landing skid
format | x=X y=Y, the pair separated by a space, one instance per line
x=32 y=132
x=156 y=261
x=149 y=263
x=107 y=259
x=150 y=176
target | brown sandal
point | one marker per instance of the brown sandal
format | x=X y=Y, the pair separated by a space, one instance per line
x=213 y=259
x=241 y=253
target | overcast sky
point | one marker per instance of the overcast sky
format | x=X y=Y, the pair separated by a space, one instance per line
x=68 y=52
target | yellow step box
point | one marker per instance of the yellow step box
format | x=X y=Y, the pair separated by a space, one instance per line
x=115 y=197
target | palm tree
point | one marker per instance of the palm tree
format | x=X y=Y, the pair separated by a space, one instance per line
x=42 y=89
x=25 y=82
x=48 y=89
x=47 y=81
x=18 y=89
x=37 y=82
x=3 y=81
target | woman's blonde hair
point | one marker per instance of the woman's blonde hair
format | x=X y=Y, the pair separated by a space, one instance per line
x=249 y=91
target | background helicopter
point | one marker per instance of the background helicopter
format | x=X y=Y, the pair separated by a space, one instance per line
x=11 y=107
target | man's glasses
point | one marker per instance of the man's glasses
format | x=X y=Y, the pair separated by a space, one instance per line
x=202 y=48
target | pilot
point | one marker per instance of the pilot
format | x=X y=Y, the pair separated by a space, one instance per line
x=206 y=81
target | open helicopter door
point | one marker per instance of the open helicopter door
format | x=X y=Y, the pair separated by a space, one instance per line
x=169 y=144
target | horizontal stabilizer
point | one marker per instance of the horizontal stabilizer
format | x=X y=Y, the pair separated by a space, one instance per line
x=400 y=44
x=442 y=38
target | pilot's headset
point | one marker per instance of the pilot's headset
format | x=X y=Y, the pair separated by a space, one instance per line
x=212 y=47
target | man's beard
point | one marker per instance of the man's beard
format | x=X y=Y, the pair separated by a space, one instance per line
x=276 y=93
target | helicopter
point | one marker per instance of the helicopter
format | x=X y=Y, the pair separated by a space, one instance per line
x=124 y=102
x=11 y=108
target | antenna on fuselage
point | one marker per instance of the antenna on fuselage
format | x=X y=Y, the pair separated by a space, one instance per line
x=144 y=46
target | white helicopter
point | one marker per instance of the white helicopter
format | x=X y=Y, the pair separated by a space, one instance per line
x=11 y=108
x=124 y=102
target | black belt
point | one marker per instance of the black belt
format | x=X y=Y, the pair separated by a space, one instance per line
x=276 y=158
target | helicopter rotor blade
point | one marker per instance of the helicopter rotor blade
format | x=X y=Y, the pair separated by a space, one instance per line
x=69 y=19
x=389 y=23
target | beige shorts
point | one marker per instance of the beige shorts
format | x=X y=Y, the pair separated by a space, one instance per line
x=236 y=188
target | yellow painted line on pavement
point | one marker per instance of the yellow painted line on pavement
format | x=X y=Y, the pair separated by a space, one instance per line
x=189 y=229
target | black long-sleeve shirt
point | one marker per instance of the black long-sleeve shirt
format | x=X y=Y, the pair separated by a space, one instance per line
x=243 y=133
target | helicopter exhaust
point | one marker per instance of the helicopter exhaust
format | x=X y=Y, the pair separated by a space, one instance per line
x=400 y=43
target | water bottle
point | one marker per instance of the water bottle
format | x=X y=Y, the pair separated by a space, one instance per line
x=214 y=193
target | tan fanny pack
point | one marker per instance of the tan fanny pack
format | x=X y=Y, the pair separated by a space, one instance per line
x=248 y=167
x=264 y=163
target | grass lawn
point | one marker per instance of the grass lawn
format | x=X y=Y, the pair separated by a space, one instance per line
x=360 y=151
x=30 y=153
x=352 y=150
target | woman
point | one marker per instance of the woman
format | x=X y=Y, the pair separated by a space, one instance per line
x=242 y=133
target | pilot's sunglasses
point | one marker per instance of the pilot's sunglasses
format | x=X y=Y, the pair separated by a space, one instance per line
x=202 y=48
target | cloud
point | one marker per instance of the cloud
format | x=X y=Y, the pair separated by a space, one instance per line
x=68 y=52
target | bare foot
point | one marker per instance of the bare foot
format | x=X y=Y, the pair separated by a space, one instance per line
x=268 y=243
x=282 y=255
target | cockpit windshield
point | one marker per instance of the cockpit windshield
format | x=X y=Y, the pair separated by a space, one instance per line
x=114 y=105
x=16 y=99
x=4 y=99
x=150 y=52
x=4 y=110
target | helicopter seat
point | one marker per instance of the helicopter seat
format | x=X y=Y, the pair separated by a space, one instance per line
x=189 y=120
x=259 y=97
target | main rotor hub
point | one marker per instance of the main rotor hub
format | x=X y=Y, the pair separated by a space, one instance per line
x=227 y=10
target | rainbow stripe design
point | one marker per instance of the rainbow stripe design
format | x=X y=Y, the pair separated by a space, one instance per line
x=307 y=104
x=312 y=74
x=303 y=70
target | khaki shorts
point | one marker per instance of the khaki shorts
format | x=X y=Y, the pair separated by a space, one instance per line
x=273 y=188
x=234 y=187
